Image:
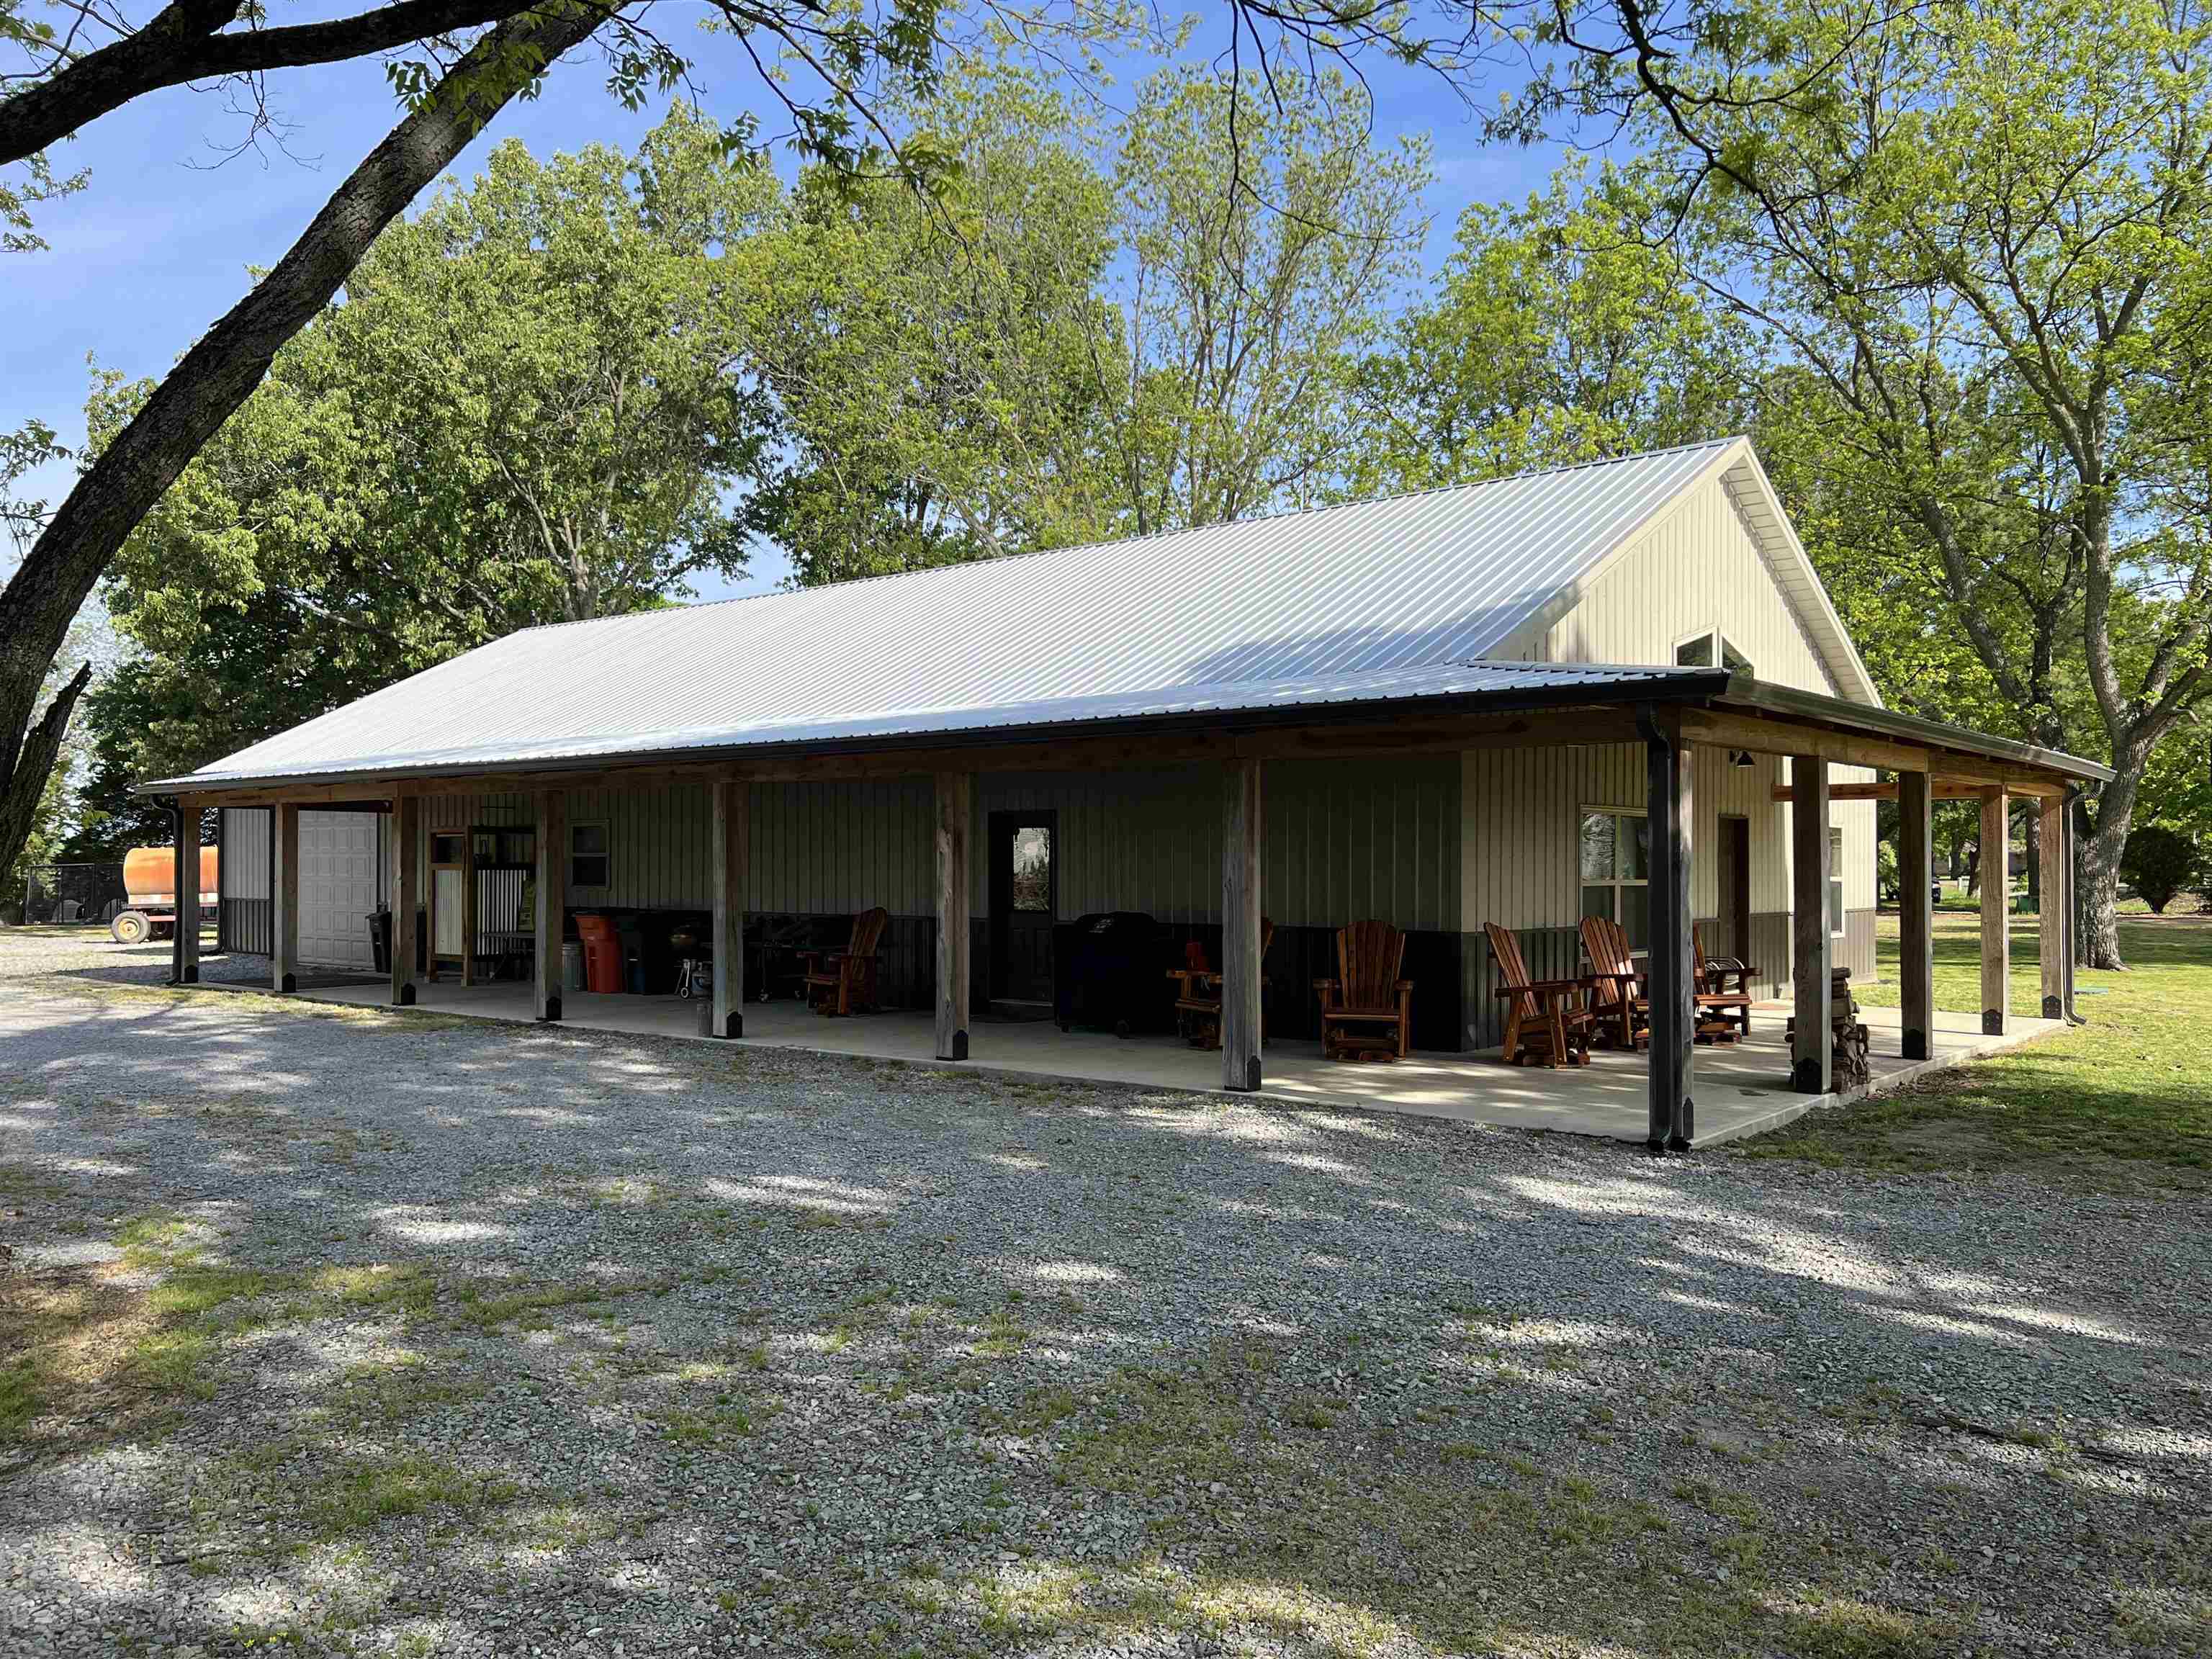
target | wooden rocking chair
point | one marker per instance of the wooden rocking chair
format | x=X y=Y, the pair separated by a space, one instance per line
x=1546 y=1020
x=1366 y=1010
x=1620 y=991
x=844 y=981
x=1730 y=1003
x=1198 y=994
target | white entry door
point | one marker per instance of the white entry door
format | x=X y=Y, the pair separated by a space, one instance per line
x=339 y=886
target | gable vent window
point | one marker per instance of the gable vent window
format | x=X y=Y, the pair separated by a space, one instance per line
x=1711 y=649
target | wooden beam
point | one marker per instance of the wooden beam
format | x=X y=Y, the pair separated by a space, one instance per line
x=552 y=885
x=1727 y=729
x=2072 y=910
x=1672 y=1114
x=185 y=957
x=1995 y=866
x=1811 y=1057
x=1885 y=789
x=733 y=805
x=1915 y=922
x=406 y=852
x=955 y=816
x=1242 y=851
x=285 y=898
x=468 y=903
x=1916 y=866
x=2051 y=915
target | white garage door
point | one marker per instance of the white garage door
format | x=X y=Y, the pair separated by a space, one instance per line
x=339 y=881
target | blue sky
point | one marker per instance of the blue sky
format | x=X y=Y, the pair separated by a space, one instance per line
x=158 y=244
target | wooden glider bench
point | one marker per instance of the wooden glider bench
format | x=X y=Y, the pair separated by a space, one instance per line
x=844 y=981
x=1366 y=1010
x=1198 y=994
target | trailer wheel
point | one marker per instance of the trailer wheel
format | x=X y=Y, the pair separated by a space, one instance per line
x=130 y=927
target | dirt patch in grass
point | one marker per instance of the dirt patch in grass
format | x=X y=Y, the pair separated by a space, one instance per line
x=80 y=1349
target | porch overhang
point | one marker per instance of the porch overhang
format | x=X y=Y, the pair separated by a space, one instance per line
x=1427 y=711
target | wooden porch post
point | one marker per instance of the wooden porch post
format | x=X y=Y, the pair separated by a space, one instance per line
x=2072 y=917
x=1671 y=1118
x=1916 y=920
x=187 y=893
x=468 y=903
x=2050 y=916
x=284 y=896
x=406 y=850
x=1812 y=1060
x=551 y=878
x=1996 y=863
x=1242 y=827
x=955 y=815
x=733 y=802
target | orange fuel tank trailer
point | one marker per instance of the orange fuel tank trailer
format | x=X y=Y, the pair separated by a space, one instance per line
x=149 y=877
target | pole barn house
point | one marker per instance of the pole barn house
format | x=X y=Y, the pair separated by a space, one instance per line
x=1157 y=778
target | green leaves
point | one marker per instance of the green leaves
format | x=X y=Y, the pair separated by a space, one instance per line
x=1559 y=333
x=527 y=409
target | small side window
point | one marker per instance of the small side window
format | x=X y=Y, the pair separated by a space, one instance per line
x=1696 y=651
x=588 y=863
x=1835 y=880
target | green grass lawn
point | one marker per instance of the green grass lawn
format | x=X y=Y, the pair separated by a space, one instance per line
x=2127 y=1096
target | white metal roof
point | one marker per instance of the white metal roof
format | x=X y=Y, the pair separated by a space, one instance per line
x=1397 y=598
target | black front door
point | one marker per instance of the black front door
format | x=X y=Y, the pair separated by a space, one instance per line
x=1734 y=872
x=1025 y=900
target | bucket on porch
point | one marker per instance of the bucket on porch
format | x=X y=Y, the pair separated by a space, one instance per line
x=571 y=967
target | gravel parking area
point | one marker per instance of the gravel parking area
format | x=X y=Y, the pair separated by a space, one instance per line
x=370 y=1332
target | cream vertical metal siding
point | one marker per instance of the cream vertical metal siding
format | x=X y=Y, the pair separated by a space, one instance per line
x=1697 y=567
x=1522 y=813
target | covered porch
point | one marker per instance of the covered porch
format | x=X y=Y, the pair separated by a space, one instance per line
x=1742 y=1088
x=1648 y=734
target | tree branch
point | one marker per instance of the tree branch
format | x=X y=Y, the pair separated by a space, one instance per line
x=182 y=44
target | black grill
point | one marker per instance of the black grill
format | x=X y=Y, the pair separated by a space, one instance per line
x=1109 y=972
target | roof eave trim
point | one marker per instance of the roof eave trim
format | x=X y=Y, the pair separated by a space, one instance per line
x=1679 y=686
x=1785 y=533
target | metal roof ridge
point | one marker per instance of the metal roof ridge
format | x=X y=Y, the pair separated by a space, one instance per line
x=1149 y=535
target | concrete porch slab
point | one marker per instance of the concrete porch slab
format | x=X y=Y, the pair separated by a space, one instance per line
x=1741 y=1087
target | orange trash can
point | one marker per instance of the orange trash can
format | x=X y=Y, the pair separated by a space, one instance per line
x=602 y=953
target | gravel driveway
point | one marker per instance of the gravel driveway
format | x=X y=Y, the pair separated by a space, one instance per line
x=388 y=1334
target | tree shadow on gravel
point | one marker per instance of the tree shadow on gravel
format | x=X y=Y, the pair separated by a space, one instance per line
x=557 y=1331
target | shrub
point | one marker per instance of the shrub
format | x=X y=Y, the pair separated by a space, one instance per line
x=2160 y=862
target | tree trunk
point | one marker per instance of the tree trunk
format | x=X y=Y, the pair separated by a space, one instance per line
x=222 y=369
x=2098 y=895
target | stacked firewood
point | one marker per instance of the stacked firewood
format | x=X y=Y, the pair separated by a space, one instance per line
x=1849 y=1032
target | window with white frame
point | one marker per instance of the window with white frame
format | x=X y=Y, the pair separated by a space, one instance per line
x=1835 y=879
x=1710 y=649
x=589 y=864
x=1616 y=868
